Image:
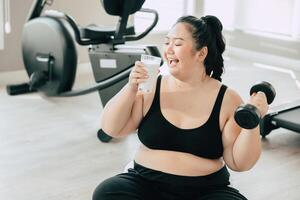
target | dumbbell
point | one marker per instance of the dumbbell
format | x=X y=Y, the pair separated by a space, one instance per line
x=248 y=116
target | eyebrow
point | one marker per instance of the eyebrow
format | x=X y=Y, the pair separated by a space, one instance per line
x=176 y=38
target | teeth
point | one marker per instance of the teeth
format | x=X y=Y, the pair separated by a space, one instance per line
x=173 y=61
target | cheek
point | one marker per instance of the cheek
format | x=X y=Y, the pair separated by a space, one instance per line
x=182 y=55
x=164 y=55
x=164 y=52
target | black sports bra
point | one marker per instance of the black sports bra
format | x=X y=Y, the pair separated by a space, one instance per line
x=156 y=132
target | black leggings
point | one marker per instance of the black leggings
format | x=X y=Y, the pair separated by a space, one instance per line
x=142 y=183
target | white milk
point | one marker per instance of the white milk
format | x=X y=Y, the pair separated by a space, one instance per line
x=152 y=63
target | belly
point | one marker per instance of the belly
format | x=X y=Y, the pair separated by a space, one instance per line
x=178 y=163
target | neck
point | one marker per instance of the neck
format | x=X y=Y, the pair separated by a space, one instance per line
x=194 y=81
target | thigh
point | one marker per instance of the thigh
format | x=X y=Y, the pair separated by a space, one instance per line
x=125 y=186
x=224 y=193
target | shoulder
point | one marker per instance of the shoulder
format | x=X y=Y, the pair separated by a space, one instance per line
x=231 y=100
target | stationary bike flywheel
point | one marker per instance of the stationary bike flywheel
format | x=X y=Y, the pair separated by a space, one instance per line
x=49 y=55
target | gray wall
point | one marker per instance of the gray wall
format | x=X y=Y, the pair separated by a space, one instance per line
x=10 y=57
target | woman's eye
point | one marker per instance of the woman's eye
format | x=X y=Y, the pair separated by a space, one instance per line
x=177 y=44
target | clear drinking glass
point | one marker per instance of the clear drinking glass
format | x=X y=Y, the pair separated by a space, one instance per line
x=152 y=63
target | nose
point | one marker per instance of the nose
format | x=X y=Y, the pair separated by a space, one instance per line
x=169 y=48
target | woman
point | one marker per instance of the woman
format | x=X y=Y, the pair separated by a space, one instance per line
x=186 y=125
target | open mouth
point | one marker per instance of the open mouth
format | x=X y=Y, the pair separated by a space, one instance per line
x=173 y=62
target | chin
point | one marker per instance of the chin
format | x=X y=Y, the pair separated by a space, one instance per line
x=173 y=72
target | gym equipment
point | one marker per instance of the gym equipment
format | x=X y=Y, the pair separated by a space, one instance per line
x=50 y=56
x=247 y=116
x=285 y=116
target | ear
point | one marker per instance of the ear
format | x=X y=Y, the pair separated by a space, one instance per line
x=202 y=53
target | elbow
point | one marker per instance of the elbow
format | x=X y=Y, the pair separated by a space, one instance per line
x=243 y=166
x=109 y=127
x=109 y=130
x=240 y=168
x=245 y=161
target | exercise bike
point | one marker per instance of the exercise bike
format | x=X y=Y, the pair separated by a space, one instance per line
x=50 y=56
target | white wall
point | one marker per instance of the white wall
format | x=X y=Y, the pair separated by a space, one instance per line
x=92 y=12
x=1 y=25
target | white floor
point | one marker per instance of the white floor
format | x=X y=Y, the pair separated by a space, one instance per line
x=49 y=149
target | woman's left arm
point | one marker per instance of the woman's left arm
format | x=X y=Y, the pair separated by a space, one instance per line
x=242 y=147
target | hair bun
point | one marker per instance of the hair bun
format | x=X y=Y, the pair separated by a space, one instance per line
x=213 y=22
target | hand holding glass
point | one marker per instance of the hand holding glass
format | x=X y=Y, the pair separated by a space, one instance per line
x=152 y=64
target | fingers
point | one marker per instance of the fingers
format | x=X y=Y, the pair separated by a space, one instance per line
x=138 y=74
x=259 y=100
x=259 y=97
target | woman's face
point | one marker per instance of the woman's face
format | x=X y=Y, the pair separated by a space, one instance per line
x=179 y=50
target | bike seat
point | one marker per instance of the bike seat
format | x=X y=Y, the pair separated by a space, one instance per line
x=102 y=33
x=121 y=7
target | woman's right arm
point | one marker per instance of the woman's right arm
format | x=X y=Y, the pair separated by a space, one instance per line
x=123 y=113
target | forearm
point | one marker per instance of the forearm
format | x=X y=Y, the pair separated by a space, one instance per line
x=247 y=149
x=117 y=111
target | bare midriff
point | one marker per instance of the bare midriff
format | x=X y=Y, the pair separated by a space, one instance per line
x=178 y=163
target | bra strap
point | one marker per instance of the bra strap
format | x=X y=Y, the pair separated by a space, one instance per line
x=157 y=91
x=219 y=100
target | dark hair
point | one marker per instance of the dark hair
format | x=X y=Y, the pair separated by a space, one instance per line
x=207 y=31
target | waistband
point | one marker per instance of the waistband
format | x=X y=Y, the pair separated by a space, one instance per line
x=218 y=178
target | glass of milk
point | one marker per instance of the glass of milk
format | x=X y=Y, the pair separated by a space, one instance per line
x=152 y=63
